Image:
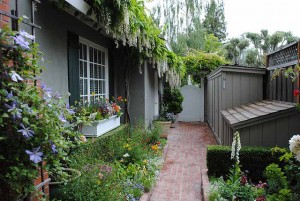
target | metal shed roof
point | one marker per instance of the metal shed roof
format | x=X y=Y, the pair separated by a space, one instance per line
x=257 y=112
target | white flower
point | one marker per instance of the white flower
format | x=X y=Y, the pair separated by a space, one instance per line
x=15 y=76
x=236 y=147
x=295 y=146
x=126 y=155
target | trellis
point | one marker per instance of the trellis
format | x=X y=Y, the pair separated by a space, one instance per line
x=14 y=16
x=286 y=56
x=281 y=88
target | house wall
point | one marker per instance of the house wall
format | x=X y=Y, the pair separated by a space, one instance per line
x=52 y=39
x=150 y=94
x=231 y=86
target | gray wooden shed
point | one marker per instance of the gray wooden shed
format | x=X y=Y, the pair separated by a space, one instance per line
x=231 y=86
x=262 y=123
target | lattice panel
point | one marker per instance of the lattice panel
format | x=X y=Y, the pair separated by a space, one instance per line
x=284 y=56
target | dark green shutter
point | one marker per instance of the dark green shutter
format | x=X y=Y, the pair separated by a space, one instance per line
x=73 y=67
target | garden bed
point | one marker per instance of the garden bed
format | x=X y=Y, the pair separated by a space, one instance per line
x=120 y=165
x=251 y=173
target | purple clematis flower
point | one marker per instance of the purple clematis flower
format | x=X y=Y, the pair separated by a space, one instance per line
x=20 y=40
x=47 y=92
x=26 y=132
x=34 y=155
x=70 y=110
x=15 y=76
x=53 y=147
x=27 y=35
x=57 y=95
x=14 y=110
x=62 y=118
x=9 y=95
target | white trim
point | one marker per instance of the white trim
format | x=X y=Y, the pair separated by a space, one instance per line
x=103 y=49
x=80 y=5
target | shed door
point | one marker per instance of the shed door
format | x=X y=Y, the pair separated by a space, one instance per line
x=193 y=103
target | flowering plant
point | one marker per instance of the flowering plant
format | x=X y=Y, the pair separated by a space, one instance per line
x=36 y=124
x=99 y=109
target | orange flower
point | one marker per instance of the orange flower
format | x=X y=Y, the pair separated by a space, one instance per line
x=154 y=147
x=120 y=98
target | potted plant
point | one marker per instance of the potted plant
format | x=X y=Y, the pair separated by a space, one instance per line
x=172 y=102
x=164 y=120
x=100 y=116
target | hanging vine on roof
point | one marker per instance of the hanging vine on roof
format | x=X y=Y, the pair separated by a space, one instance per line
x=128 y=23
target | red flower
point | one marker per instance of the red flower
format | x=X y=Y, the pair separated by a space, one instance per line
x=296 y=92
x=261 y=198
x=243 y=180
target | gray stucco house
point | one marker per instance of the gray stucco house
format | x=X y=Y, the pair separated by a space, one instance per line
x=86 y=62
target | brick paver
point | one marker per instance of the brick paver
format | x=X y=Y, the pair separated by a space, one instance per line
x=180 y=177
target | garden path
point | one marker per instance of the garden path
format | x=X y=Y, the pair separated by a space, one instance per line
x=185 y=159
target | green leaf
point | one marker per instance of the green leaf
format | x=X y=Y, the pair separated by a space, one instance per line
x=5 y=115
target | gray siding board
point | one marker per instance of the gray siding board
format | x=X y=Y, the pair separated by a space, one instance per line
x=256 y=135
x=245 y=87
x=269 y=133
x=236 y=88
x=253 y=88
x=245 y=136
x=228 y=87
x=281 y=127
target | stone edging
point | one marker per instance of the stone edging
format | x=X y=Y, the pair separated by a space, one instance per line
x=204 y=185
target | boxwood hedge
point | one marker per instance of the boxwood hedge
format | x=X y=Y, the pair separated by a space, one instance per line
x=253 y=159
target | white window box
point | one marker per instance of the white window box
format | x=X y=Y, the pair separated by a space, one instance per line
x=99 y=128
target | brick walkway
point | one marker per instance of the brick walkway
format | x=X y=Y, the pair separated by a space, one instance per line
x=180 y=178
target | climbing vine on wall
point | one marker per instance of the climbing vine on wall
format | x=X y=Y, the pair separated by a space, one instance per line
x=128 y=23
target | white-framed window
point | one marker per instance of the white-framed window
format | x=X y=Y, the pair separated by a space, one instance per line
x=93 y=71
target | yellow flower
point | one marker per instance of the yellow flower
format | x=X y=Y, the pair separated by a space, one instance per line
x=82 y=138
x=100 y=176
x=154 y=147
x=145 y=161
x=93 y=93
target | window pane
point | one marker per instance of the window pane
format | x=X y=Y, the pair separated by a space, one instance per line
x=92 y=87
x=95 y=56
x=84 y=52
x=85 y=69
x=96 y=71
x=103 y=87
x=103 y=72
x=85 y=87
x=91 y=71
x=91 y=54
x=97 y=87
x=103 y=58
x=81 y=86
x=99 y=57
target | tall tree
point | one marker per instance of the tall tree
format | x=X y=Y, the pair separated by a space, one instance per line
x=264 y=43
x=176 y=16
x=214 y=20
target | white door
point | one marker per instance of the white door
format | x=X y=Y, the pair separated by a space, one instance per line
x=193 y=103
